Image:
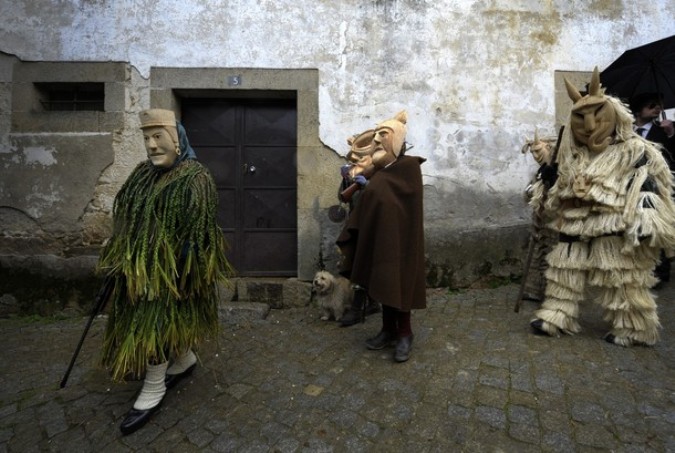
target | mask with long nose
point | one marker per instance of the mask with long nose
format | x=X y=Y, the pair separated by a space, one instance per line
x=389 y=139
x=360 y=156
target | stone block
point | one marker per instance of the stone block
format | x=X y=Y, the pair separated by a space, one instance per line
x=296 y=293
x=227 y=292
x=242 y=312
x=8 y=305
x=267 y=291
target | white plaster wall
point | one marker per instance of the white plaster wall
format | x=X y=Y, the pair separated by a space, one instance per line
x=476 y=76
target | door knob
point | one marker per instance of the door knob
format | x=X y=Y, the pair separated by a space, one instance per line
x=249 y=168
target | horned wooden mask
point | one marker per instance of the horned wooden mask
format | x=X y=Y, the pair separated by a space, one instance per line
x=593 y=119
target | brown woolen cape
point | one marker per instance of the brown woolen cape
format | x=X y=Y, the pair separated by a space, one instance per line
x=382 y=242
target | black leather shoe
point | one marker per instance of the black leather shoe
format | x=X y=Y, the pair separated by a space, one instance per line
x=356 y=313
x=538 y=327
x=136 y=419
x=380 y=341
x=351 y=317
x=403 y=348
x=171 y=380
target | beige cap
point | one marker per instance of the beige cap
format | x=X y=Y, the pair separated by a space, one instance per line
x=157 y=117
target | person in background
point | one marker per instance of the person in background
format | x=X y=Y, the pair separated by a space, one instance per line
x=649 y=124
x=544 y=238
x=646 y=109
x=355 y=177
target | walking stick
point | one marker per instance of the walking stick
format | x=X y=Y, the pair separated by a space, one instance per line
x=526 y=273
x=101 y=299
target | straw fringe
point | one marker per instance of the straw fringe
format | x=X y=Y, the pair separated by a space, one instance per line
x=633 y=314
x=167 y=257
x=637 y=298
x=557 y=291
x=652 y=223
x=593 y=225
x=567 y=278
x=614 y=279
x=537 y=196
x=626 y=337
x=615 y=178
x=561 y=315
x=634 y=320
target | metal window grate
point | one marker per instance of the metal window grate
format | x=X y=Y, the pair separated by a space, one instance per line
x=71 y=96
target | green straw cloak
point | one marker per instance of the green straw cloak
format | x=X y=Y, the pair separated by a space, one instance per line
x=166 y=257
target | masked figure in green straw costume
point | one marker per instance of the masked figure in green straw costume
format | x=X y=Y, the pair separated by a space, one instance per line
x=166 y=256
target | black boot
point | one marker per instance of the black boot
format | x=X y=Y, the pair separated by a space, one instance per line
x=371 y=307
x=356 y=311
x=662 y=271
x=381 y=340
x=403 y=348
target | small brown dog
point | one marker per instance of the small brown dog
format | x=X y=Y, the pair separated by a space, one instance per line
x=333 y=293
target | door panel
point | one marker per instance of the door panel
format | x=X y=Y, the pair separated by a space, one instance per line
x=250 y=148
x=256 y=244
x=269 y=209
x=213 y=158
x=269 y=167
x=211 y=124
x=274 y=125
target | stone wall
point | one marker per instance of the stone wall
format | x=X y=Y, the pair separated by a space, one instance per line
x=476 y=77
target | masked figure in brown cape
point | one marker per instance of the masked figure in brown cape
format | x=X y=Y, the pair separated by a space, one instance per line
x=165 y=257
x=611 y=205
x=382 y=242
x=355 y=177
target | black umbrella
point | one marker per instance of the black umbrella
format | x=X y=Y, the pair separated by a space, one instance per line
x=646 y=69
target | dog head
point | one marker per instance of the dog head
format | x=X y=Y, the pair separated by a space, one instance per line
x=323 y=282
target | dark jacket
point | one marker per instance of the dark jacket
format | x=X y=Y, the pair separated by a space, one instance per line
x=657 y=135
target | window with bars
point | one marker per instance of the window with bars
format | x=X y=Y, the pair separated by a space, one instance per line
x=71 y=96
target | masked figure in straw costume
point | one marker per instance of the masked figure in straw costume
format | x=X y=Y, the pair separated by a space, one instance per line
x=166 y=257
x=611 y=205
x=383 y=240
x=543 y=237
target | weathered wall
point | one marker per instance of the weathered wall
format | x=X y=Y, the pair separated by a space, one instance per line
x=476 y=77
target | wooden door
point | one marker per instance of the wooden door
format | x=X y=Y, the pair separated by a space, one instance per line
x=250 y=148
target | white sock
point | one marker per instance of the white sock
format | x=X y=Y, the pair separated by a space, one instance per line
x=182 y=363
x=153 y=387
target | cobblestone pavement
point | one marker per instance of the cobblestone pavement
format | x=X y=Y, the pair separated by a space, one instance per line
x=477 y=380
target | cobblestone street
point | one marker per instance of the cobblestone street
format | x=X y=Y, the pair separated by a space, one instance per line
x=477 y=380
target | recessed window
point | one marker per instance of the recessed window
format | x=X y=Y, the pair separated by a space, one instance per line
x=68 y=96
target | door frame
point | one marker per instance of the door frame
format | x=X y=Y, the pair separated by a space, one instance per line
x=169 y=85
